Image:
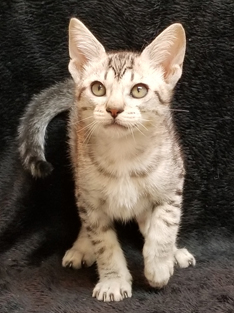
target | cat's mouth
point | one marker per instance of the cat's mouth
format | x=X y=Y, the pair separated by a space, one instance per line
x=115 y=124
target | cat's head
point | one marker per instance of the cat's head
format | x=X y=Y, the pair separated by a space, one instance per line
x=125 y=92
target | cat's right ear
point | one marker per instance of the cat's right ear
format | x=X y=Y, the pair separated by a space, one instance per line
x=83 y=48
x=168 y=50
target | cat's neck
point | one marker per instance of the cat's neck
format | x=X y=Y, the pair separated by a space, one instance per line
x=130 y=146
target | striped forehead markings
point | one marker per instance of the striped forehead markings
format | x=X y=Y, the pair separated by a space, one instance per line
x=120 y=63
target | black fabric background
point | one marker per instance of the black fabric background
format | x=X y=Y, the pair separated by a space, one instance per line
x=38 y=218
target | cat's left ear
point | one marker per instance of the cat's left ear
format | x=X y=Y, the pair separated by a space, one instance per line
x=168 y=50
x=83 y=48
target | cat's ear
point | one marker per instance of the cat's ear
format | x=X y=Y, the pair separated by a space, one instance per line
x=83 y=48
x=168 y=50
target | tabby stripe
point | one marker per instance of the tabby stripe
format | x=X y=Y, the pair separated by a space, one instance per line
x=111 y=273
x=106 y=228
x=139 y=174
x=80 y=94
x=160 y=98
x=147 y=171
x=82 y=210
x=127 y=68
x=174 y=203
x=101 y=250
x=179 y=192
x=96 y=242
x=105 y=76
x=170 y=224
x=89 y=229
x=181 y=175
x=99 y=168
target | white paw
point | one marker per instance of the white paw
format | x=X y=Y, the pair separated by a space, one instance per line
x=159 y=271
x=183 y=258
x=77 y=258
x=113 y=289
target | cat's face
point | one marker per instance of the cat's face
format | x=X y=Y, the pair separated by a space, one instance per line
x=124 y=92
x=121 y=95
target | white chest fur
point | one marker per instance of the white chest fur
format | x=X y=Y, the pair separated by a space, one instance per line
x=114 y=178
x=119 y=197
x=125 y=198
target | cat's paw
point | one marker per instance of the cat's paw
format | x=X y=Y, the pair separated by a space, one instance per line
x=159 y=271
x=77 y=258
x=113 y=289
x=183 y=258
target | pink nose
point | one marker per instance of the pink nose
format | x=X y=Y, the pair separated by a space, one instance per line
x=114 y=112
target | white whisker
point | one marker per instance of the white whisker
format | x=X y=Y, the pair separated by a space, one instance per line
x=91 y=131
x=79 y=121
x=140 y=131
x=130 y=127
x=178 y=110
x=145 y=120
x=143 y=126
x=83 y=119
x=89 y=125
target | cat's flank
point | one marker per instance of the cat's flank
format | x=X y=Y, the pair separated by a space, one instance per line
x=126 y=160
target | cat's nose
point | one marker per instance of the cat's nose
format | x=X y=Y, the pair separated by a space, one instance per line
x=114 y=112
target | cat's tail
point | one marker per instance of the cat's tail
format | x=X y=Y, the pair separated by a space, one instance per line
x=32 y=129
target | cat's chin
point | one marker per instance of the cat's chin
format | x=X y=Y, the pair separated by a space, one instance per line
x=115 y=125
x=115 y=130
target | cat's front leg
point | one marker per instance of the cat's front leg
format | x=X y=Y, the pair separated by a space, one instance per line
x=159 y=228
x=114 y=278
x=115 y=281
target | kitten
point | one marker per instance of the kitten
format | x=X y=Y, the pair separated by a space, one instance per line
x=126 y=160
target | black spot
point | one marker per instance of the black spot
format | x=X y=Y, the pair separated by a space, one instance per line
x=101 y=250
x=82 y=210
x=179 y=192
x=96 y=242
x=106 y=228
x=89 y=229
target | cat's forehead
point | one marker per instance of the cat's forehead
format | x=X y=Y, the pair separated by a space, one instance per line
x=120 y=62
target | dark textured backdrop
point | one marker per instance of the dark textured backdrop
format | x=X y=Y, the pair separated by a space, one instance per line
x=38 y=219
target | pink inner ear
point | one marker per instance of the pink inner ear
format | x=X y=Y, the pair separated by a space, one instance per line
x=166 y=66
x=175 y=57
x=80 y=61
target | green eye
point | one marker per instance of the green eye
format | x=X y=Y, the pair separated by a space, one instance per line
x=98 y=89
x=139 y=91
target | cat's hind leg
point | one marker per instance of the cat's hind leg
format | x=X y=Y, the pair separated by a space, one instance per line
x=81 y=254
x=183 y=258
